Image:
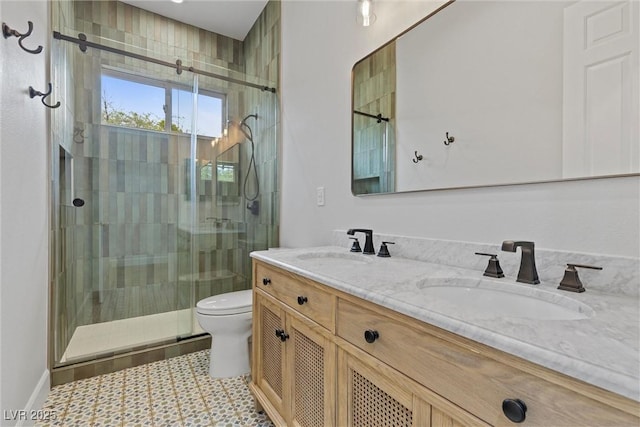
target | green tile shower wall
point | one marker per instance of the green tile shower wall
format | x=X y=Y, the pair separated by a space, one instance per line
x=127 y=240
x=262 y=56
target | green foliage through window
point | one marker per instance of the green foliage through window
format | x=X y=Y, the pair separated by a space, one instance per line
x=145 y=103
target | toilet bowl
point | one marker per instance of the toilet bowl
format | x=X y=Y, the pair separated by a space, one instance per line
x=227 y=317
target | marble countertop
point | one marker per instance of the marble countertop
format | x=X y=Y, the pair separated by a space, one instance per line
x=602 y=349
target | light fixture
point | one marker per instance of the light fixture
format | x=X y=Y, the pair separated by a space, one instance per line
x=365 y=15
x=177 y=1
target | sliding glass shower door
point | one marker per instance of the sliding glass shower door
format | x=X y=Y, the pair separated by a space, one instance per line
x=158 y=198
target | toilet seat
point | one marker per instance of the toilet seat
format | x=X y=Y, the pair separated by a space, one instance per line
x=226 y=304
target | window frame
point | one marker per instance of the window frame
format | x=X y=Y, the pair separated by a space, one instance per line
x=168 y=87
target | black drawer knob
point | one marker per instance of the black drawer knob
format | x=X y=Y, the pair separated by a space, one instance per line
x=302 y=300
x=514 y=409
x=371 y=335
x=266 y=281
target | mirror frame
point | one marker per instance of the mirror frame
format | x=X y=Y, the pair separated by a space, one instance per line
x=437 y=10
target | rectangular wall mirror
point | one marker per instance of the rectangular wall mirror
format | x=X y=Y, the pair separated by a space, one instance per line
x=484 y=93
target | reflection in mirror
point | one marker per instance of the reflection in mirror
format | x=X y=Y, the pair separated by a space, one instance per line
x=65 y=177
x=374 y=81
x=227 y=175
x=500 y=92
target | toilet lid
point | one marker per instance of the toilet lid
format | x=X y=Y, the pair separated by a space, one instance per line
x=229 y=303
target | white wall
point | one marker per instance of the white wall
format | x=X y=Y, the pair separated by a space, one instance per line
x=23 y=213
x=320 y=44
x=490 y=74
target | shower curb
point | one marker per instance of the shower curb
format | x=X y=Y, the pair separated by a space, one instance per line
x=117 y=362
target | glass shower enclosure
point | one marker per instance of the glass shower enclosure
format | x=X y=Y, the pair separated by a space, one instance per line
x=163 y=180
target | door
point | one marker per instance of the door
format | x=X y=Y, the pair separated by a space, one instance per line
x=312 y=364
x=366 y=398
x=269 y=366
x=601 y=88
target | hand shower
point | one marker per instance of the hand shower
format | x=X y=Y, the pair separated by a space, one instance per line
x=253 y=204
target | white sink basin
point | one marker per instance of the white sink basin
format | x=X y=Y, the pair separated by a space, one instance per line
x=466 y=298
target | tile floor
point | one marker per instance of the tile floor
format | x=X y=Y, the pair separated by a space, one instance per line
x=172 y=392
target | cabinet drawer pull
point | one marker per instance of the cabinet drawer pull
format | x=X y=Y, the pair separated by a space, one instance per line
x=266 y=281
x=514 y=409
x=371 y=335
x=302 y=300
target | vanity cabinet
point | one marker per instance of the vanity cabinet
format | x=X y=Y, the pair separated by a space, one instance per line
x=294 y=357
x=350 y=362
x=373 y=395
x=474 y=377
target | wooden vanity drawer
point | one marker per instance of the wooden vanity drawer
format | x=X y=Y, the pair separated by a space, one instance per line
x=472 y=376
x=299 y=293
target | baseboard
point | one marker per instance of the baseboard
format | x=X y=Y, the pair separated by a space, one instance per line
x=33 y=408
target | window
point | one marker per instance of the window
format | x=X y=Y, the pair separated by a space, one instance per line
x=145 y=103
x=226 y=172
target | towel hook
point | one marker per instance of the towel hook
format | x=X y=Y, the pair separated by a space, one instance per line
x=8 y=32
x=78 y=135
x=33 y=93
x=418 y=157
x=449 y=139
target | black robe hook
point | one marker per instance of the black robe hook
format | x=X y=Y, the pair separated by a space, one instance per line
x=418 y=157
x=8 y=32
x=33 y=93
x=449 y=139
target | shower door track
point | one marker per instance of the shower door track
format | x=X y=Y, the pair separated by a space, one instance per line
x=83 y=43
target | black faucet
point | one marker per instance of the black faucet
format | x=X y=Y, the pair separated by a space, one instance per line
x=368 y=243
x=528 y=272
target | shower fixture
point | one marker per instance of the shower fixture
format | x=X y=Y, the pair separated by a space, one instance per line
x=253 y=205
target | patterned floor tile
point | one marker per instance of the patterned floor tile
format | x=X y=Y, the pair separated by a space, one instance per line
x=177 y=392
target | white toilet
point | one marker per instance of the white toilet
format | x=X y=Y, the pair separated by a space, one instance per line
x=227 y=317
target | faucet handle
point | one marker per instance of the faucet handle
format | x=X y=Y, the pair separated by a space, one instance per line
x=356 y=245
x=493 y=268
x=571 y=282
x=384 y=251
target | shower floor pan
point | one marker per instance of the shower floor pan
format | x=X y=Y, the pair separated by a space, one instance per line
x=117 y=335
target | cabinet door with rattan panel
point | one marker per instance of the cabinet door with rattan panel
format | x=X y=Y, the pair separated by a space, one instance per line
x=311 y=361
x=372 y=394
x=368 y=399
x=268 y=374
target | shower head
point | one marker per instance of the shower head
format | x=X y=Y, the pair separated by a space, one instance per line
x=234 y=126
x=244 y=121
x=244 y=127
